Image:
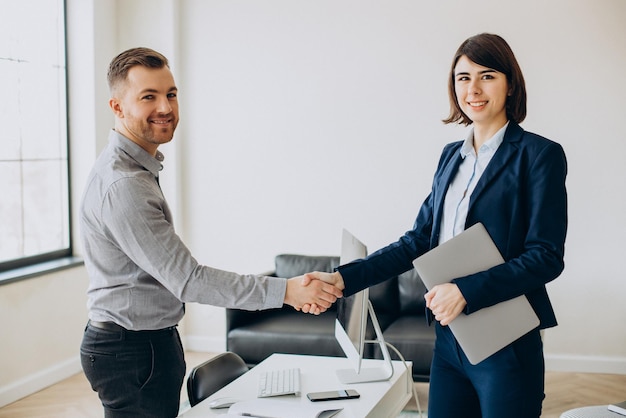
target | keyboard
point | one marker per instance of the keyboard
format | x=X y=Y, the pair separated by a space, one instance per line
x=279 y=382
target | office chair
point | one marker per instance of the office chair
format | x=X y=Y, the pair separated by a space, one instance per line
x=212 y=375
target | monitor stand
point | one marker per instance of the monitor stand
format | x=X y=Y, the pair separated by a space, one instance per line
x=376 y=374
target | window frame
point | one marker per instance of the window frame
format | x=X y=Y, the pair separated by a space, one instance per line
x=44 y=263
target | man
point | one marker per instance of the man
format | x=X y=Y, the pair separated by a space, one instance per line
x=140 y=272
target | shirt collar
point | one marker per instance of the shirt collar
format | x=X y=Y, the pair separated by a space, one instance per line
x=150 y=163
x=492 y=144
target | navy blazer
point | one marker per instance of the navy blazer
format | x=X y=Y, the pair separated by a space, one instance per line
x=522 y=202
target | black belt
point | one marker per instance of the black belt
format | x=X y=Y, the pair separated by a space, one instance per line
x=107 y=326
x=112 y=326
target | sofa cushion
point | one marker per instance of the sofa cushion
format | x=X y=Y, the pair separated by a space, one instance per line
x=285 y=332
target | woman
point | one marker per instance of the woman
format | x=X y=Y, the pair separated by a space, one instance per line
x=513 y=182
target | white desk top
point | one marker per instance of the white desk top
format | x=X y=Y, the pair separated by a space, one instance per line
x=378 y=399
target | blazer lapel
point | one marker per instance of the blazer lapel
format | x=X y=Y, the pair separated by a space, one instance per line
x=441 y=188
x=505 y=152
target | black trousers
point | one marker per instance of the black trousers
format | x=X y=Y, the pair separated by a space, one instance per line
x=510 y=383
x=136 y=374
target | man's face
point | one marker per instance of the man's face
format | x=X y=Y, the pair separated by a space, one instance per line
x=146 y=107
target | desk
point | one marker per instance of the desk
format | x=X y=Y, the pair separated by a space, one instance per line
x=378 y=399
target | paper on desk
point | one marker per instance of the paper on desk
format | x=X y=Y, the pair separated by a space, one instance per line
x=269 y=408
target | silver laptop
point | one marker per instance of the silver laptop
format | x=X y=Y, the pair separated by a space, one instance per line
x=487 y=330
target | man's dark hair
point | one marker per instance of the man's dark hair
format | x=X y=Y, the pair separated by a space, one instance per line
x=120 y=65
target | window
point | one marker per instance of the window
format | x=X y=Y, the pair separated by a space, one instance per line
x=34 y=166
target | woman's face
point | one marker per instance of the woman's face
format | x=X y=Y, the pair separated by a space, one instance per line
x=481 y=92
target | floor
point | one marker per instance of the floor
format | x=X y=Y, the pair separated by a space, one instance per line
x=73 y=398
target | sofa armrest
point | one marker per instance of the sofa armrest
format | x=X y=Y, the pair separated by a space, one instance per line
x=236 y=318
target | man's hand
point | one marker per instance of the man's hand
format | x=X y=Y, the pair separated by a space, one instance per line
x=332 y=278
x=317 y=294
x=446 y=302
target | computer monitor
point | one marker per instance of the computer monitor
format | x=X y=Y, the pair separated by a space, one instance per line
x=350 y=327
x=351 y=324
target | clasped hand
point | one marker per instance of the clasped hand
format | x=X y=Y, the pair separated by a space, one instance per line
x=313 y=292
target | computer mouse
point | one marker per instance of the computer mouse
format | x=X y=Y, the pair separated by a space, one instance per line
x=222 y=403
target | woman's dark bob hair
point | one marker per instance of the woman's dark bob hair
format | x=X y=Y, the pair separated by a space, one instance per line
x=493 y=52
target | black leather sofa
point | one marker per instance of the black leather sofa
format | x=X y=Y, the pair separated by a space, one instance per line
x=398 y=303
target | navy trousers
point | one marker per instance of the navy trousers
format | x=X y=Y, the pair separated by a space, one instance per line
x=510 y=383
x=136 y=374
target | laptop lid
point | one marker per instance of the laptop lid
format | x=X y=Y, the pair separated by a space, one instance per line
x=488 y=330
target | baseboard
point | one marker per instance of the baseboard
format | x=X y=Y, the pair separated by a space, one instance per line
x=40 y=380
x=204 y=344
x=585 y=364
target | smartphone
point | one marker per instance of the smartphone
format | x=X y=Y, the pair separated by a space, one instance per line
x=333 y=395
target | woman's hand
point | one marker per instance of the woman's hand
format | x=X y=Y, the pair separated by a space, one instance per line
x=446 y=302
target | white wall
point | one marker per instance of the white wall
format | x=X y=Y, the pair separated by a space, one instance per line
x=283 y=100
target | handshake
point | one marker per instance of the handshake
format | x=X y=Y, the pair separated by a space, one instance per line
x=314 y=292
